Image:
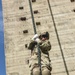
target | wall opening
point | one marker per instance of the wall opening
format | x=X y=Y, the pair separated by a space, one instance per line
x=36 y=11
x=23 y=18
x=38 y=23
x=25 y=31
x=73 y=10
x=21 y=8
x=33 y=0
x=72 y=0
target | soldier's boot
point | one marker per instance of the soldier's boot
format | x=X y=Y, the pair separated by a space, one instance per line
x=36 y=71
x=45 y=71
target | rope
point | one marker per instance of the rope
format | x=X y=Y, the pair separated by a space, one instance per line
x=58 y=38
x=34 y=27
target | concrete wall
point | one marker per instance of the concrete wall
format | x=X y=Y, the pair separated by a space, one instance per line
x=15 y=40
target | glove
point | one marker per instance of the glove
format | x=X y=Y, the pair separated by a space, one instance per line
x=38 y=40
x=35 y=37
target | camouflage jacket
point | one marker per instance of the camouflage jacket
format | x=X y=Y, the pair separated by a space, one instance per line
x=45 y=47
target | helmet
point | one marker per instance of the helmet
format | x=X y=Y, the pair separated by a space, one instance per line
x=45 y=34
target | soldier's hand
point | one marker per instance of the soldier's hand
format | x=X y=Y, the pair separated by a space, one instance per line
x=35 y=37
x=38 y=41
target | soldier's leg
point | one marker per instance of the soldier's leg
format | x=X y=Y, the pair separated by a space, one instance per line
x=46 y=71
x=36 y=71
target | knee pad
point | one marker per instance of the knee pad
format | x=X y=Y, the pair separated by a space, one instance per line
x=45 y=71
x=36 y=71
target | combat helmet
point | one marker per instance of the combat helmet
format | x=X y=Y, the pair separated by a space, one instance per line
x=44 y=34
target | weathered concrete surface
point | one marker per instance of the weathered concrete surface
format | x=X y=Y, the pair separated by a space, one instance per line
x=15 y=51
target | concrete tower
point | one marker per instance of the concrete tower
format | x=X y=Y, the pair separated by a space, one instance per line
x=18 y=30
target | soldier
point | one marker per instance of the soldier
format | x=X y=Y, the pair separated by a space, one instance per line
x=45 y=47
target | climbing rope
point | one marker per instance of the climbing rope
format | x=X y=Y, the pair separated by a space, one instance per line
x=34 y=27
x=58 y=37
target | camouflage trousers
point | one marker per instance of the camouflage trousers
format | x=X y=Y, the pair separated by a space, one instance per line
x=45 y=63
x=43 y=71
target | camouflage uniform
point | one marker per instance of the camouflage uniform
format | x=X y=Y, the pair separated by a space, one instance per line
x=45 y=47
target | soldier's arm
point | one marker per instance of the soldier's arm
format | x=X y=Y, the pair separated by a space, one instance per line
x=45 y=46
x=33 y=42
x=32 y=45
